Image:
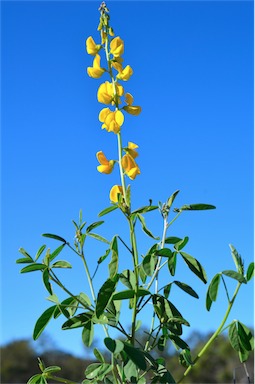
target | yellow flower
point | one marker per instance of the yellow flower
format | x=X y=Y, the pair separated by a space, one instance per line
x=105 y=93
x=125 y=74
x=96 y=71
x=117 y=47
x=131 y=149
x=129 y=99
x=106 y=165
x=116 y=189
x=130 y=166
x=91 y=46
x=117 y=65
x=133 y=110
x=112 y=120
x=130 y=108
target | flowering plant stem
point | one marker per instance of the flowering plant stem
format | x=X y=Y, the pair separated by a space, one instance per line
x=215 y=334
x=130 y=359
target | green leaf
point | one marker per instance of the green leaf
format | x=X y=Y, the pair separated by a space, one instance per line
x=195 y=266
x=52 y=368
x=237 y=259
x=214 y=287
x=145 y=209
x=130 y=294
x=55 y=237
x=61 y=264
x=108 y=210
x=208 y=303
x=172 y=240
x=46 y=276
x=185 y=358
x=167 y=290
x=114 y=263
x=233 y=336
x=84 y=299
x=67 y=307
x=195 y=207
x=24 y=253
x=56 y=252
x=98 y=355
x=181 y=244
x=88 y=333
x=39 y=252
x=144 y=228
x=186 y=288
x=43 y=321
x=178 y=342
x=165 y=252
x=127 y=278
x=148 y=264
x=98 y=237
x=130 y=371
x=77 y=321
x=235 y=275
x=93 y=226
x=33 y=267
x=245 y=337
x=136 y=356
x=168 y=314
x=104 y=295
x=114 y=346
x=53 y=298
x=243 y=355
x=24 y=260
x=35 y=379
x=97 y=370
x=102 y=258
x=172 y=263
x=250 y=271
x=172 y=198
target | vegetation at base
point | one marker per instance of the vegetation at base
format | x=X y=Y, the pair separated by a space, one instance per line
x=19 y=362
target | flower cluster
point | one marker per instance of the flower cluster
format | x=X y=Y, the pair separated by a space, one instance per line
x=112 y=95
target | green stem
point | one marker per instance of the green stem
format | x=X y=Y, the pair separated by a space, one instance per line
x=122 y=178
x=136 y=272
x=81 y=254
x=56 y=280
x=155 y=277
x=172 y=221
x=215 y=335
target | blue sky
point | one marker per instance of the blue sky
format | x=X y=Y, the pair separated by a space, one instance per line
x=193 y=77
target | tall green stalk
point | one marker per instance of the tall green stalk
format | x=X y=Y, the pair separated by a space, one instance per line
x=216 y=333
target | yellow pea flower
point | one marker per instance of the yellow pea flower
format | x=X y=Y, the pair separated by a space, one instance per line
x=130 y=166
x=91 y=46
x=96 y=71
x=133 y=110
x=117 y=47
x=130 y=108
x=129 y=99
x=106 y=166
x=112 y=120
x=103 y=113
x=116 y=189
x=118 y=66
x=119 y=89
x=105 y=93
x=125 y=74
x=131 y=149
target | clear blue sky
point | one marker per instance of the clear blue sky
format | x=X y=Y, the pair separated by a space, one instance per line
x=193 y=77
